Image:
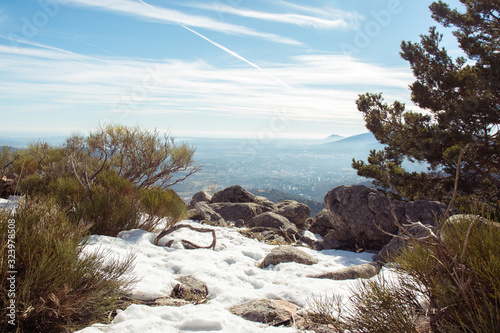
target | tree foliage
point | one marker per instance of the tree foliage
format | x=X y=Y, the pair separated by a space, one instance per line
x=145 y=158
x=461 y=102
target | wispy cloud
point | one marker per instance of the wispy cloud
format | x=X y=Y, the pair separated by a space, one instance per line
x=324 y=87
x=137 y=9
x=318 y=18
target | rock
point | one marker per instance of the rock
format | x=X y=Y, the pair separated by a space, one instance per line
x=364 y=271
x=272 y=220
x=287 y=253
x=358 y=213
x=190 y=289
x=269 y=236
x=167 y=301
x=240 y=223
x=397 y=244
x=270 y=312
x=236 y=211
x=8 y=185
x=199 y=197
x=265 y=202
x=235 y=194
x=322 y=223
x=202 y=211
x=295 y=212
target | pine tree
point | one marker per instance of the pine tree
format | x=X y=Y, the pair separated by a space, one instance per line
x=461 y=102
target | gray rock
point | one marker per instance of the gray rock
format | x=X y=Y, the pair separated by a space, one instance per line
x=295 y=212
x=322 y=223
x=235 y=194
x=287 y=253
x=199 y=197
x=202 y=211
x=272 y=220
x=270 y=312
x=359 y=213
x=364 y=271
x=190 y=289
x=236 y=211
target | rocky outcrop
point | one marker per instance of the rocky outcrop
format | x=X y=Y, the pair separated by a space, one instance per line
x=237 y=211
x=363 y=216
x=321 y=223
x=423 y=231
x=287 y=253
x=237 y=194
x=202 y=211
x=364 y=271
x=269 y=312
x=190 y=289
x=295 y=212
x=275 y=221
x=199 y=197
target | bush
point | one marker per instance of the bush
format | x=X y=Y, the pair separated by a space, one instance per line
x=59 y=287
x=449 y=284
x=159 y=204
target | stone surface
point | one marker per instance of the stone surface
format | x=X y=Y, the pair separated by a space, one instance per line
x=321 y=223
x=295 y=212
x=190 y=289
x=199 y=197
x=358 y=213
x=364 y=271
x=202 y=211
x=235 y=194
x=273 y=220
x=270 y=312
x=236 y=211
x=287 y=253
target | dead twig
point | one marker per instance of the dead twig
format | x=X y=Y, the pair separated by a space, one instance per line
x=180 y=226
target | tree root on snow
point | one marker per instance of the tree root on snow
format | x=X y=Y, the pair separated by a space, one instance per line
x=186 y=243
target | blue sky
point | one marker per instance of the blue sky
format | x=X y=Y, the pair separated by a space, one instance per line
x=223 y=68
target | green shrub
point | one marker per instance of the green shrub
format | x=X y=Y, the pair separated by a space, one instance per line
x=450 y=283
x=159 y=204
x=58 y=286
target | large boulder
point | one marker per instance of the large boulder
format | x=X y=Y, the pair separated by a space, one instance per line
x=287 y=253
x=234 y=194
x=363 y=217
x=269 y=312
x=274 y=221
x=202 y=211
x=364 y=271
x=199 y=197
x=237 y=211
x=295 y=212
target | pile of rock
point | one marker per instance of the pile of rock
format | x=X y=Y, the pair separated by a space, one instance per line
x=278 y=223
x=355 y=218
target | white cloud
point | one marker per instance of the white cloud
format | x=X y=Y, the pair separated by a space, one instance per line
x=323 y=19
x=146 y=11
x=322 y=87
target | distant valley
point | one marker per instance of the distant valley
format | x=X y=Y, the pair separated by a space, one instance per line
x=303 y=168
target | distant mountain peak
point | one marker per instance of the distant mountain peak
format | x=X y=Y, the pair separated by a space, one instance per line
x=333 y=138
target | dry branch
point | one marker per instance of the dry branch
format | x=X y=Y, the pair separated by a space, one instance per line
x=179 y=226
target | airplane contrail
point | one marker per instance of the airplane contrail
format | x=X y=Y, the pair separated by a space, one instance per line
x=225 y=49
x=236 y=55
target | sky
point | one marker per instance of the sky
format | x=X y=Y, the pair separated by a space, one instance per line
x=222 y=68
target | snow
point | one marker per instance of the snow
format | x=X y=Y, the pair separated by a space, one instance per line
x=230 y=273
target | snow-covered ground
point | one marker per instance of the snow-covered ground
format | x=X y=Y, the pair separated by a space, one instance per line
x=230 y=273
